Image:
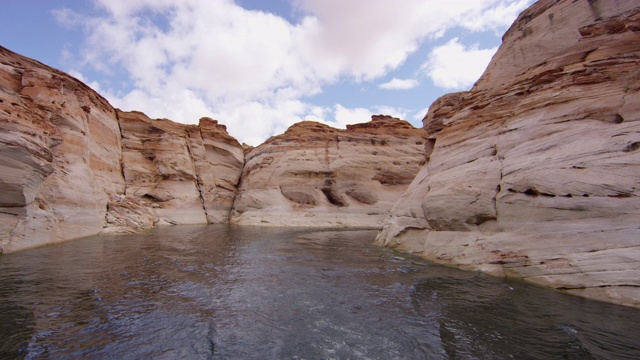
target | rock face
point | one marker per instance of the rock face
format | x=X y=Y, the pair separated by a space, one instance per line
x=59 y=155
x=543 y=31
x=73 y=166
x=315 y=175
x=186 y=174
x=67 y=169
x=535 y=172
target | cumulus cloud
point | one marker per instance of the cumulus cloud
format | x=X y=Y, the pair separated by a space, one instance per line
x=370 y=37
x=420 y=114
x=92 y=84
x=399 y=84
x=454 y=66
x=344 y=116
x=496 y=18
x=255 y=71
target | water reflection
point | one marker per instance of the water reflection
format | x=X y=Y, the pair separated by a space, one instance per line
x=514 y=320
x=218 y=292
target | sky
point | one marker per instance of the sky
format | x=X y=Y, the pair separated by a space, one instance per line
x=259 y=66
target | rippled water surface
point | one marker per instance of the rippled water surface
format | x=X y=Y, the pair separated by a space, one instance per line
x=218 y=292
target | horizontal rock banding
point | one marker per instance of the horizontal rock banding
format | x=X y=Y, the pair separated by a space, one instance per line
x=72 y=166
x=315 y=175
x=535 y=174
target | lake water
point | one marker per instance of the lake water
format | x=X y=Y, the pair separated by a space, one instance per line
x=220 y=292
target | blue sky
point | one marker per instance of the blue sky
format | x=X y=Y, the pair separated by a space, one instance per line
x=259 y=66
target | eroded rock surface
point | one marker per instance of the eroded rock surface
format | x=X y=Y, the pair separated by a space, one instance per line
x=535 y=172
x=67 y=170
x=186 y=174
x=74 y=166
x=59 y=155
x=315 y=175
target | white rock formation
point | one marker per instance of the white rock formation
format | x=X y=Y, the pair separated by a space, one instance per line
x=535 y=173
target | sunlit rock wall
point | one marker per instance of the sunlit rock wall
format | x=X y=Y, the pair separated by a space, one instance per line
x=185 y=174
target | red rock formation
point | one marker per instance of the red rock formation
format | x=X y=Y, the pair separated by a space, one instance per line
x=315 y=175
x=59 y=155
x=64 y=173
x=534 y=172
x=187 y=174
x=543 y=31
x=73 y=166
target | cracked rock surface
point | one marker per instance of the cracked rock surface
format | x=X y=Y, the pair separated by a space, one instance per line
x=186 y=174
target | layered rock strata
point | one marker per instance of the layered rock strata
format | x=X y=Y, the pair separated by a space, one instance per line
x=315 y=175
x=535 y=172
x=59 y=155
x=186 y=174
x=72 y=166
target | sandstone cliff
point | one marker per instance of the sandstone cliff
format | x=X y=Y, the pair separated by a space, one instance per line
x=186 y=174
x=71 y=166
x=59 y=155
x=535 y=172
x=315 y=175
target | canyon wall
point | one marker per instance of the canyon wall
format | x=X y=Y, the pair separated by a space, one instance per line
x=315 y=175
x=73 y=166
x=59 y=155
x=186 y=174
x=535 y=172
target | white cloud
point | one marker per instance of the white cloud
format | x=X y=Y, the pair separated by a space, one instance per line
x=496 y=18
x=454 y=66
x=420 y=114
x=399 y=84
x=92 y=84
x=191 y=58
x=370 y=37
x=342 y=116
